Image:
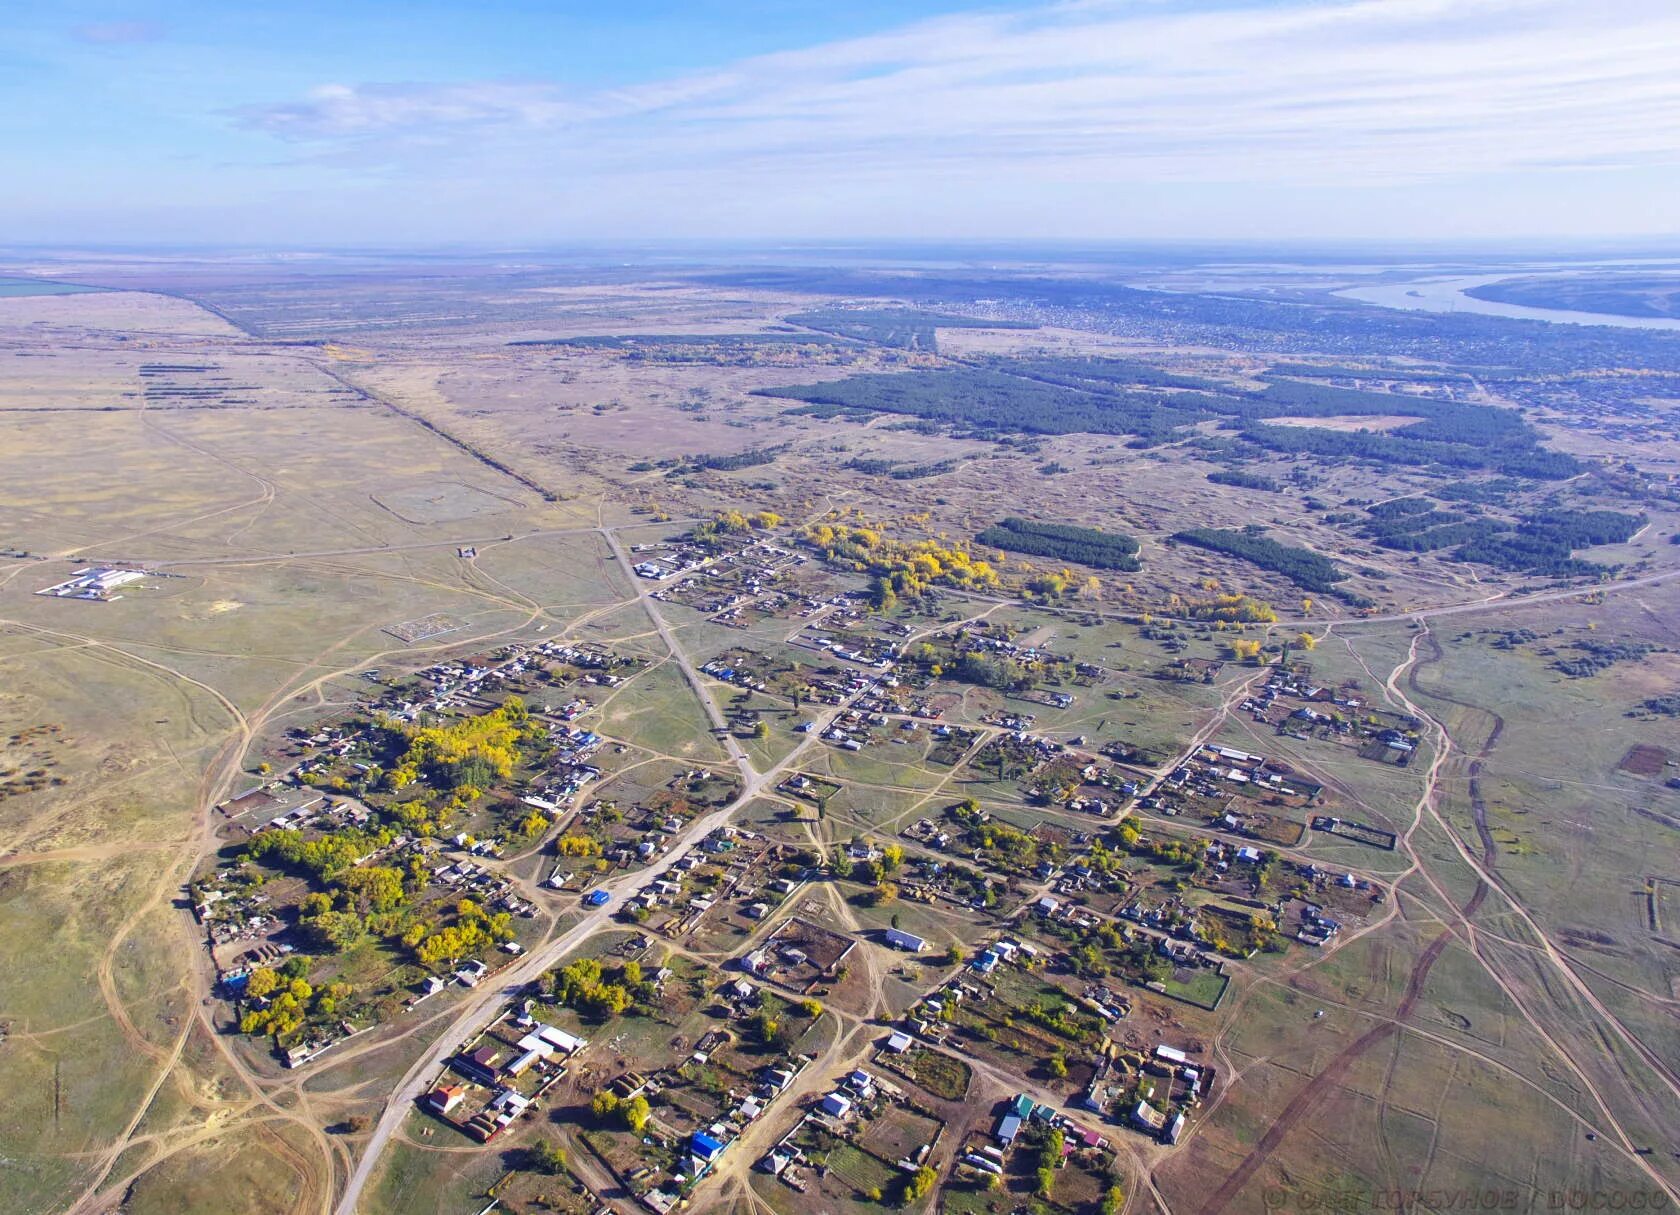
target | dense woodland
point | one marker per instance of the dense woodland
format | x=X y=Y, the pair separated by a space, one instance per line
x=1534 y=544
x=1096 y=396
x=1301 y=566
x=874 y=466
x=1543 y=543
x=1244 y=480
x=988 y=401
x=753 y=457
x=1101 y=373
x=1065 y=542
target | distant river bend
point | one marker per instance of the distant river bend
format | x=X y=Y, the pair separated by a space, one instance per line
x=1448 y=295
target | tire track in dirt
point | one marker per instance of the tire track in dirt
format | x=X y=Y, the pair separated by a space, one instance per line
x=1318 y=1089
x=1478 y=805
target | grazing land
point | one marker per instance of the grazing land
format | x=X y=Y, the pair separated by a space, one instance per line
x=541 y=737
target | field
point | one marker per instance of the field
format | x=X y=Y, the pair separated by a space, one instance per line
x=329 y=487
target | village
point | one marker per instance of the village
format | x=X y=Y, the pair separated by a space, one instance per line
x=1006 y=993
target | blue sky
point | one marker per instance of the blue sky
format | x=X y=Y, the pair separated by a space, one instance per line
x=505 y=122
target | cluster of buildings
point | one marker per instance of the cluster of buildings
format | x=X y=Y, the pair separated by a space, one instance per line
x=501 y=1080
x=95 y=583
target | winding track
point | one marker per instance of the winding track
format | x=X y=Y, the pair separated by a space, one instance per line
x=225 y=767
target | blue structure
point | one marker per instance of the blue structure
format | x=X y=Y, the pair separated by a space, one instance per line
x=705 y=1147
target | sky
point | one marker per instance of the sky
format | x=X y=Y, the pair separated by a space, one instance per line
x=517 y=122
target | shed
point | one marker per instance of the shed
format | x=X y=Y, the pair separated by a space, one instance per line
x=559 y=1038
x=899 y=939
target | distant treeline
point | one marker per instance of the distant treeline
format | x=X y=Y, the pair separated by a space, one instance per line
x=877 y=467
x=987 y=400
x=1413 y=525
x=1065 y=542
x=1066 y=396
x=1301 y=566
x=1244 y=480
x=1103 y=373
x=1346 y=330
x=655 y=341
x=901 y=328
x=1619 y=294
x=1451 y=433
x=1408 y=375
x=1544 y=543
x=751 y=458
x=1535 y=544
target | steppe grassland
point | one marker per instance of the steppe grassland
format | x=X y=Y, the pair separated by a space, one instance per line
x=158 y=692
x=1476 y=1046
x=141 y=314
x=593 y=415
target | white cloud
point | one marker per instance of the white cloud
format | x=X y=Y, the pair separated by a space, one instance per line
x=1105 y=93
x=338 y=111
x=117 y=33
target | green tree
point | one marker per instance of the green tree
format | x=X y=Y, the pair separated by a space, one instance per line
x=549 y=1158
x=919 y=1185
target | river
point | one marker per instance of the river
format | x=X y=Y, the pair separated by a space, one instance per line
x=1447 y=295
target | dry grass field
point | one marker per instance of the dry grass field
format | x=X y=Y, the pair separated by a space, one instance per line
x=299 y=469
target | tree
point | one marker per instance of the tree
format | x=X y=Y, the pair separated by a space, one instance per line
x=764 y=1026
x=606 y=1000
x=1046 y=1183
x=761 y=729
x=635 y=1113
x=1113 y=1200
x=811 y=1008
x=549 y=1158
x=919 y=1185
x=1245 y=650
x=332 y=931
x=1058 y=1066
x=261 y=983
x=604 y=1105
x=954 y=954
